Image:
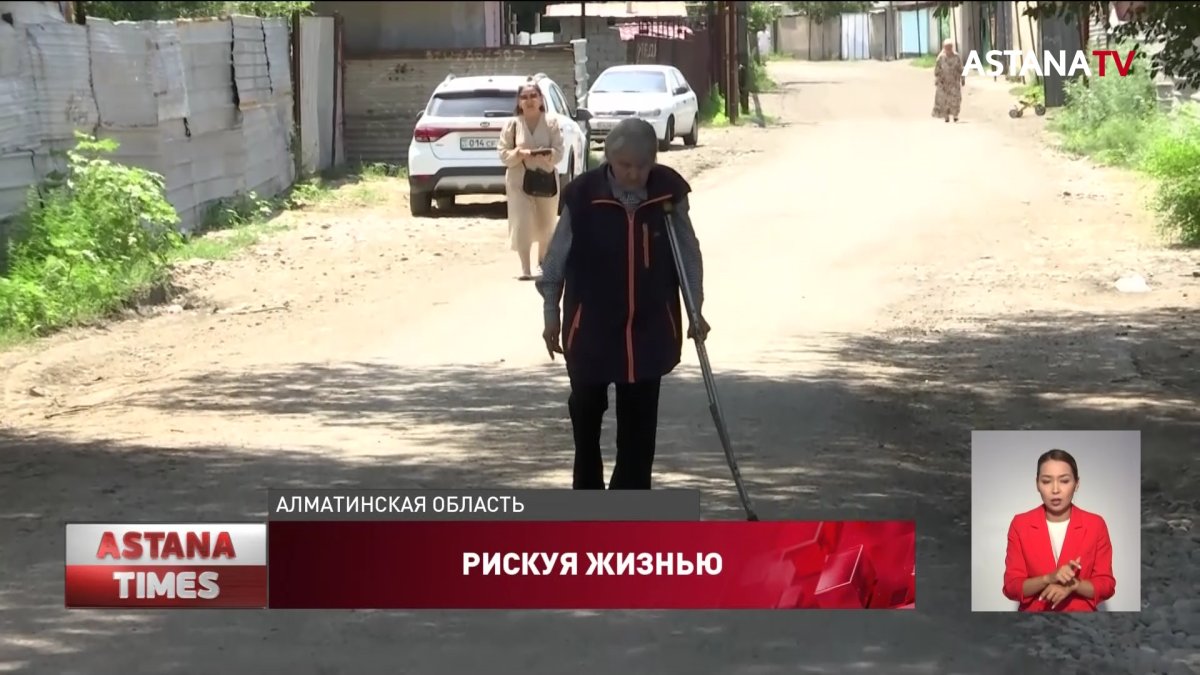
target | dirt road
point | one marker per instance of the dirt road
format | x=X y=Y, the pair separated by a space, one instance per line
x=879 y=284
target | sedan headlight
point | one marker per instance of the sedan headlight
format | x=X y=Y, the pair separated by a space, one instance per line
x=650 y=113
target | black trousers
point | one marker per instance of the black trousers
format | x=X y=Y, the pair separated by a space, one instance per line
x=637 y=430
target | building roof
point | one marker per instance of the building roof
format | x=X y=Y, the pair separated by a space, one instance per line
x=618 y=10
x=632 y=30
x=904 y=4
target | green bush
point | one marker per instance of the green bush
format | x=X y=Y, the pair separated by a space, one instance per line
x=1109 y=118
x=1172 y=156
x=91 y=238
x=712 y=110
x=760 y=79
x=1117 y=121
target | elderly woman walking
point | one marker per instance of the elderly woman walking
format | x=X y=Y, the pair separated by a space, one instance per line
x=531 y=145
x=949 y=80
x=611 y=265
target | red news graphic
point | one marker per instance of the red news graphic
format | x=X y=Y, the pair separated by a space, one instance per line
x=177 y=565
x=592 y=565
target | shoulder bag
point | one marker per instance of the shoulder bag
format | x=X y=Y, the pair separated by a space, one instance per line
x=537 y=183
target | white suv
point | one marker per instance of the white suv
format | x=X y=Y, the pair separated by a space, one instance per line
x=453 y=150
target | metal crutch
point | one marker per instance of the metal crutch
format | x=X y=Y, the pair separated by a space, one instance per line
x=714 y=405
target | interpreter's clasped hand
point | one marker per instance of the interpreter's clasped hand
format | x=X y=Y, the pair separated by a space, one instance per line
x=1067 y=573
x=1056 y=593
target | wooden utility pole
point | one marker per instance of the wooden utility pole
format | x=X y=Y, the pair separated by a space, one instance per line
x=890 y=51
x=582 y=20
x=713 y=24
x=714 y=47
x=733 y=97
x=743 y=54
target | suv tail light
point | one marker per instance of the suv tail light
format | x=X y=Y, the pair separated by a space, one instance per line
x=433 y=134
x=429 y=134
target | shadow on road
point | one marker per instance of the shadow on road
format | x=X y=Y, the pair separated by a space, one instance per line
x=884 y=434
x=806 y=83
x=492 y=210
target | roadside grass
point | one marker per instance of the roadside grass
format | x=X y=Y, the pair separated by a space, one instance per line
x=761 y=80
x=1117 y=121
x=239 y=222
x=712 y=114
x=712 y=110
x=102 y=237
x=924 y=61
x=1031 y=91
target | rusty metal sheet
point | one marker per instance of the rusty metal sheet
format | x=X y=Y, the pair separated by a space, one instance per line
x=120 y=55
x=18 y=119
x=208 y=75
x=279 y=59
x=60 y=64
x=250 y=63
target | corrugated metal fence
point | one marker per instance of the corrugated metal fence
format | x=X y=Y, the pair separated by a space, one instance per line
x=384 y=93
x=207 y=104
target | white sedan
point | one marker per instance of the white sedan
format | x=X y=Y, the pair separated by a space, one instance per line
x=660 y=95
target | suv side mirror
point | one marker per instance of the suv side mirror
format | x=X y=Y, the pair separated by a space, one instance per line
x=583 y=115
x=680 y=91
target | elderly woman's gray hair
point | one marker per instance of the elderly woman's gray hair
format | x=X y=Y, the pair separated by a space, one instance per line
x=634 y=137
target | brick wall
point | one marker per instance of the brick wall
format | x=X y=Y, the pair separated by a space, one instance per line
x=605 y=48
x=385 y=93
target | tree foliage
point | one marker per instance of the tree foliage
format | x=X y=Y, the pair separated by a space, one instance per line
x=762 y=15
x=820 y=12
x=116 y=10
x=1173 y=25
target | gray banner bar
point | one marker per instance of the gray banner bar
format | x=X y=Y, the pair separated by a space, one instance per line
x=325 y=504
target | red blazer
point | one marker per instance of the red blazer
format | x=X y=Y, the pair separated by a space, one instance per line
x=1030 y=554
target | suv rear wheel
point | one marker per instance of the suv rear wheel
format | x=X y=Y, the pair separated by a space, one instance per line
x=420 y=203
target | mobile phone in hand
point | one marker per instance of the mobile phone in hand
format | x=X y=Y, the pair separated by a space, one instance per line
x=541 y=151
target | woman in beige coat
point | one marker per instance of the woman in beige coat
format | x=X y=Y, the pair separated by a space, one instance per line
x=531 y=139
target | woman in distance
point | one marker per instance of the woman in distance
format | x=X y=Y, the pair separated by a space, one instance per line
x=948 y=80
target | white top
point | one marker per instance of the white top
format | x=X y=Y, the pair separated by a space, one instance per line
x=1058 y=532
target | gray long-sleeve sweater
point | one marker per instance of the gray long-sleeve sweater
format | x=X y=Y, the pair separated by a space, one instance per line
x=550 y=286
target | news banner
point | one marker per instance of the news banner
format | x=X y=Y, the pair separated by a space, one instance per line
x=491 y=549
